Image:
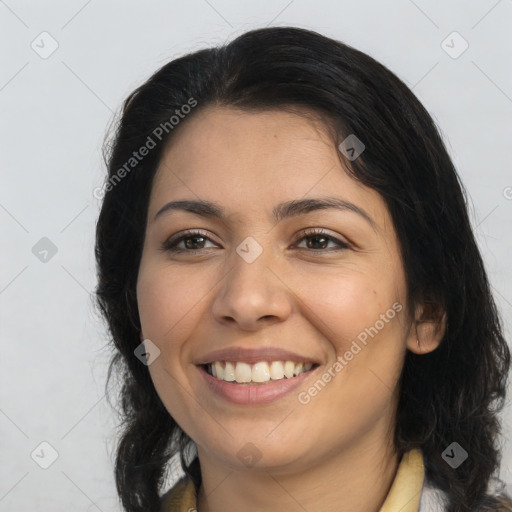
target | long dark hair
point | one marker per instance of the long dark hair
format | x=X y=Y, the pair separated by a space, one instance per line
x=453 y=394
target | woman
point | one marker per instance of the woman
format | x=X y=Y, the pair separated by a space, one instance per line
x=295 y=295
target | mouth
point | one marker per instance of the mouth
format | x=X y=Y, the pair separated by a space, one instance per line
x=256 y=384
x=254 y=376
x=259 y=373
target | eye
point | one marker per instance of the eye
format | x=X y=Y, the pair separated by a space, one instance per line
x=191 y=240
x=318 y=239
x=194 y=241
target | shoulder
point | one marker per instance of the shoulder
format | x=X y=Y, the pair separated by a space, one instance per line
x=432 y=498
x=181 y=496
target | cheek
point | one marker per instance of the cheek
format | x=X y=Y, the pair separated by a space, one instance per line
x=345 y=305
x=169 y=304
x=360 y=314
x=166 y=300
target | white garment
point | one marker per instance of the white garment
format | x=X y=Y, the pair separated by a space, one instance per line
x=432 y=499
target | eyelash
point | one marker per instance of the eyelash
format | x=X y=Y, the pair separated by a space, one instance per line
x=170 y=245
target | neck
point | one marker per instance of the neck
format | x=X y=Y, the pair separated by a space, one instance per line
x=356 y=478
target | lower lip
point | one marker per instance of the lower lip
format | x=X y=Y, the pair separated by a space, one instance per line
x=248 y=394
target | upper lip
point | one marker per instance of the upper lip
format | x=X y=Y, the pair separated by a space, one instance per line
x=253 y=355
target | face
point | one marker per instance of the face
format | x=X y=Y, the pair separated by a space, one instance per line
x=321 y=286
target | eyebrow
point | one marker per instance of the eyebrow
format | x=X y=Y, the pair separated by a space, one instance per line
x=281 y=211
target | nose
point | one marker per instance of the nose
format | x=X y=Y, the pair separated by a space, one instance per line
x=252 y=295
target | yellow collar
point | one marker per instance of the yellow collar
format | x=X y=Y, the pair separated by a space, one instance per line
x=404 y=495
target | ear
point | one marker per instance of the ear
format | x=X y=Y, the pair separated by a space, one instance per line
x=141 y=336
x=428 y=329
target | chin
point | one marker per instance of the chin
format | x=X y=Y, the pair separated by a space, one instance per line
x=261 y=453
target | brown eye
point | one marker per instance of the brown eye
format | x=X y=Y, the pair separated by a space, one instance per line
x=318 y=240
x=193 y=241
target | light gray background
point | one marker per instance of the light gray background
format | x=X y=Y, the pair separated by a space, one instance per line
x=54 y=113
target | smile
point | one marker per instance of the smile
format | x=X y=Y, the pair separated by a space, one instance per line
x=254 y=384
x=257 y=373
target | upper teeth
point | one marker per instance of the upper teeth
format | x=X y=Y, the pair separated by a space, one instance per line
x=258 y=372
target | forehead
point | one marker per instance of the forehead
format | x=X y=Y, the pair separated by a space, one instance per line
x=251 y=160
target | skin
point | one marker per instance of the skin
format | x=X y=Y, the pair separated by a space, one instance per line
x=334 y=453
